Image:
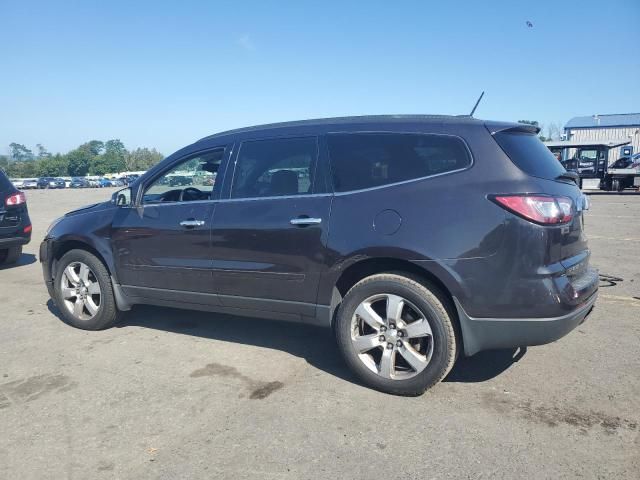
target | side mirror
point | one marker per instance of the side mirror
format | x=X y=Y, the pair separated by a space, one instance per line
x=122 y=198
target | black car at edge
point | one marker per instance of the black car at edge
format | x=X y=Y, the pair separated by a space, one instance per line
x=15 y=226
x=416 y=238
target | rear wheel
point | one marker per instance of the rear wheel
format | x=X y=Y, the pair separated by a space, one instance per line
x=395 y=334
x=83 y=291
x=617 y=185
x=10 y=255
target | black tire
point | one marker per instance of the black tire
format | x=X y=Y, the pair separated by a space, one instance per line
x=434 y=306
x=618 y=184
x=108 y=314
x=10 y=256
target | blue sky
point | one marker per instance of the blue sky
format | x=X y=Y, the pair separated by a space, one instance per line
x=163 y=74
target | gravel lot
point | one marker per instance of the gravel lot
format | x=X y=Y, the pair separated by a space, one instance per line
x=177 y=394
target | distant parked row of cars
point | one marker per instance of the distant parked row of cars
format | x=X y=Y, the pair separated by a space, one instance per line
x=74 y=182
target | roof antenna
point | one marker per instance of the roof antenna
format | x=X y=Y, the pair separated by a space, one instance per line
x=476 y=105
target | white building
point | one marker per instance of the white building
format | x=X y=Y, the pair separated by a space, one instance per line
x=603 y=128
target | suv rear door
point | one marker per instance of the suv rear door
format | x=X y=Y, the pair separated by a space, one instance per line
x=269 y=234
x=530 y=155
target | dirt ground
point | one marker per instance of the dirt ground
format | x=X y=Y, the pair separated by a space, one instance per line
x=178 y=394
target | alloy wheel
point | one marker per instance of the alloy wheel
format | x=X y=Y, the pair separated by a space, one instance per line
x=392 y=337
x=80 y=291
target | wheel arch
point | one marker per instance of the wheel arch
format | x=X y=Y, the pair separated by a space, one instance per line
x=63 y=246
x=364 y=268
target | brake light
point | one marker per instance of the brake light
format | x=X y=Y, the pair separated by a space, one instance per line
x=542 y=209
x=15 y=199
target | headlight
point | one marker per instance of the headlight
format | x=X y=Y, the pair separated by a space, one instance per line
x=51 y=225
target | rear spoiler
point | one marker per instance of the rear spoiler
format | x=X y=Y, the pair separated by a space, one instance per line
x=504 y=127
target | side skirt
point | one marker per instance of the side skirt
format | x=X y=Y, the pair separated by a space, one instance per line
x=126 y=296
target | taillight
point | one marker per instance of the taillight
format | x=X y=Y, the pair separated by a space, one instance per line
x=542 y=209
x=15 y=199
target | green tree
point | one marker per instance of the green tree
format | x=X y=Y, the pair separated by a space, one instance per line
x=78 y=161
x=4 y=163
x=94 y=147
x=142 y=159
x=52 y=166
x=19 y=152
x=21 y=169
x=42 y=152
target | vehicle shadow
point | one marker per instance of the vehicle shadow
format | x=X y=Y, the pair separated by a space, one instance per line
x=484 y=365
x=314 y=344
x=25 y=259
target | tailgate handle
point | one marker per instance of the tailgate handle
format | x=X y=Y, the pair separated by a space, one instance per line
x=304 y=220
x=191 y=223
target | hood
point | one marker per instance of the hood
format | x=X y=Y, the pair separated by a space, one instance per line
x=95 y=207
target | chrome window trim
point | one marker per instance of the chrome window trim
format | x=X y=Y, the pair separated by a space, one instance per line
x=227 y=200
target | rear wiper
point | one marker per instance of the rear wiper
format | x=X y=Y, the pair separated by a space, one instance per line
x=573 y=176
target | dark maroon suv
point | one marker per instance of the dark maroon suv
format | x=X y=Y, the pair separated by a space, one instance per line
x=416 y=238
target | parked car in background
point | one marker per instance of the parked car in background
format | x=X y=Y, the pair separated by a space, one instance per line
x=17 y=182
x=103 y=182
x=79 y=182
x=15 y=225
x=117 y=182
x=415 y=238
x=50 y=182
x=180 y=180
x=29 y=183
x=93 y=182
x=129 y=179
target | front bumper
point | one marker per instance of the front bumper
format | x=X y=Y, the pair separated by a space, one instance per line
x=494 y=333
x=45 y=255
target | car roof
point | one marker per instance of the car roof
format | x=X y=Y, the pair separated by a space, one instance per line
x=326 y=124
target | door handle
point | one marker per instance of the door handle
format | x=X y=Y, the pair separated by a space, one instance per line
x=302 y=221
x=191 y=223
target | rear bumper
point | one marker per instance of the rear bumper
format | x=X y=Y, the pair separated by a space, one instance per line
x=493 y=333
x=16 y=241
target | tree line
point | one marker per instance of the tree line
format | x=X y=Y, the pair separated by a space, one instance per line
x=553 y=130
x=91 y=158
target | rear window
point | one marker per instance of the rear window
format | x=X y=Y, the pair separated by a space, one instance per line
x=5 y=183
x=529 y=154
x=365 y=160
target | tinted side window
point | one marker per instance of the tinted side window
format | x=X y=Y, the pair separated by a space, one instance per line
x=275 y=167
x=5 y=184
x=365 y=160
x=192 y=179
x=529 y=154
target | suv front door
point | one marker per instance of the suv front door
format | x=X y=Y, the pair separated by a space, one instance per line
x=269 y=236
x=162 y=244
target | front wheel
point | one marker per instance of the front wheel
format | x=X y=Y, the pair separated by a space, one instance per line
x=396 y=334
x=83 y=291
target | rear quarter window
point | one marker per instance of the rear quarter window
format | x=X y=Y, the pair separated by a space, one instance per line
x=529 y=154
x=5 y=183
x=366 y=160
